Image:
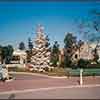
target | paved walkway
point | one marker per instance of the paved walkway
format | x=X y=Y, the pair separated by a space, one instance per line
x=28 y=81
x=68 y=92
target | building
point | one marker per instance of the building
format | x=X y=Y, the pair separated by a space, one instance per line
x=61 y=57
x=85 y=52
x=95 y=45
x=19 y=56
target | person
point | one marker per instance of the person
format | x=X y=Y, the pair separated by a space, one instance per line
x=5 y=73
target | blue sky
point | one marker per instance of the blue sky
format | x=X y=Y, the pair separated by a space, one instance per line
x=18 y=20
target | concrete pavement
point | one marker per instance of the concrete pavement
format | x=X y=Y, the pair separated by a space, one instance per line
x=39 y=86
x=69 y=92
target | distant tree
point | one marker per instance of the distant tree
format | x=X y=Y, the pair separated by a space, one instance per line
x=47 y=41
x=30 y=44
x=70 y=40
x=29 y=52
x=95 y=20
x=1 y=54
x=29 y=55
x=70 y=47
x=96 y=26
x=55 y=54
x=10 y=53
x=6 y=55
x=95 y=55
x=80 y=43
x=82 y=63
x=21 y=46
x=89 y=28
x=0 y=47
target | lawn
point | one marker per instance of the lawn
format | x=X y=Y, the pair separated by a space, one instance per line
x=55 y=72
x=58 y=71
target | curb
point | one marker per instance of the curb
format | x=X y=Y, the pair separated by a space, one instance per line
x=9 y=80
x=37 y=74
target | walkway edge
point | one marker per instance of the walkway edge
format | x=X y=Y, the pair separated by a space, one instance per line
x=37 y=74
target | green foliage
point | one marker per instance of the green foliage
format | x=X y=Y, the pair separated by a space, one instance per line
x=82 y=63
x=29 y=55
x=55 y=47
x=30 y=44
x=96 y=56
x=67 y=62
x=1 y=54
x=70 y=48
x=95 y=19
x=0 y=49
x=80 y=43
x=89 y=27
x=69 y=40
x=29 y=52
x=55 y=54
x=16 y=69
x=57 y=71
x=21 y=46
x=6 y=53
x=47 y=41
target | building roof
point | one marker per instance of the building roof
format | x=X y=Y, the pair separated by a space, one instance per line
x=19 y=52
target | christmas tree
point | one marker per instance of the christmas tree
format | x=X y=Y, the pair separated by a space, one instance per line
x=41 y=51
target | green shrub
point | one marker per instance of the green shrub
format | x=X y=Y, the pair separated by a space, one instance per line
x=57 y=71
x=16 y=69
x=12 y=69
x=82 y=63
x=20 y=69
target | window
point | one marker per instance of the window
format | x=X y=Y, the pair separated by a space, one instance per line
x=76 y=56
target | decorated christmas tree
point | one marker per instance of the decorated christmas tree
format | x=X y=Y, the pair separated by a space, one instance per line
x=41 y=51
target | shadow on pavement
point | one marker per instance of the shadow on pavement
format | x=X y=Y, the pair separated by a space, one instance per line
x=12 y=96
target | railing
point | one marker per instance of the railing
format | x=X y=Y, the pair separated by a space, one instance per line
x=86 y=72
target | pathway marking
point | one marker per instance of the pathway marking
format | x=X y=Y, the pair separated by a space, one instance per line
x=49 y=88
